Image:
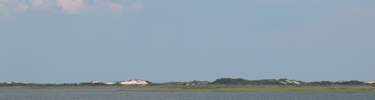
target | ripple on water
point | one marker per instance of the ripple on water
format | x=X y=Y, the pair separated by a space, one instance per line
x=110 y=94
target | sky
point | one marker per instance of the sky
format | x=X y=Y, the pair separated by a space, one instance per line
x=72 y=41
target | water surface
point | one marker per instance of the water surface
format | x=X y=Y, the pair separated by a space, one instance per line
x=109 y=94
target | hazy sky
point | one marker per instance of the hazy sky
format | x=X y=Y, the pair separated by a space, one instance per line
x=58 y=41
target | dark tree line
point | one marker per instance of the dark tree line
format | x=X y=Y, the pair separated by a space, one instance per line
x=240 y=81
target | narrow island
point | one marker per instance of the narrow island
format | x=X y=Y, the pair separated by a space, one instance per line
x=219 y=85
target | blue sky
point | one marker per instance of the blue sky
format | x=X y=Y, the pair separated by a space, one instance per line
x=59 y=41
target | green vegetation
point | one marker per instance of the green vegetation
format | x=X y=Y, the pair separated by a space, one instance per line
x=213 y=88
x=219 y=85
x=273 y=88
x=259 y=90
x=69 y=87
x=240 y=81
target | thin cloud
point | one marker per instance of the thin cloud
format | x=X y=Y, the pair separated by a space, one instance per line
x=104 y=6
x=43 y=4
x=12 y=6
x=36 y=3
x=137 y=5
x=71 y=6
x=116 y=8
x=3 y=10
x=21 y=7
x=9 y=7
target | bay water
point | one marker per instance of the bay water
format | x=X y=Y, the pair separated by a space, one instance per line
x=110 y=94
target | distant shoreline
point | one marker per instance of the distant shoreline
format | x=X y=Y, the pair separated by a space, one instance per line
x=258 y=90
x=266 y=88
x=219 y=85
x=214 y=88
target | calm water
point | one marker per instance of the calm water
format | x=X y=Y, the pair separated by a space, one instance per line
x=129 y=95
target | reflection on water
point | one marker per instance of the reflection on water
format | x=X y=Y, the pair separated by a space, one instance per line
x=104 y=94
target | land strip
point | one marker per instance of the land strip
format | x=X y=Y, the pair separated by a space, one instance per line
x=365 y=89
